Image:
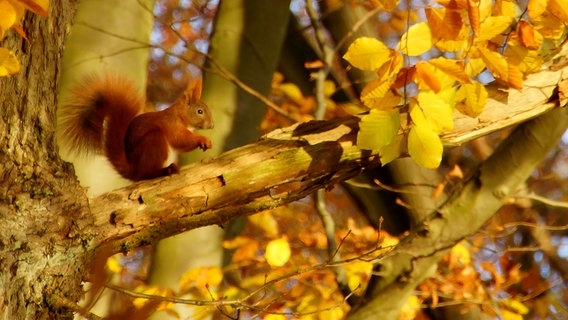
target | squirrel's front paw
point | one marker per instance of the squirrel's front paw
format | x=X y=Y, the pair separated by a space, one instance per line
x=205 y=143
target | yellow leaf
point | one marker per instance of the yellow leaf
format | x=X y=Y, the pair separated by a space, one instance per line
x=7 y=16
x=389 y=5
x=550 y=26
x=8 y=63
x=506 y=8
x=378 y=129
x=508 y=315
x=358 y=272
x=485 y=7
x=425 y=146
x=437 y=112
x=113 y=264
x=536 y=8
x=493 y=26
x=417 y=40
x=292 y=91
x=329 y=88
x=378 y=95
x=392 y=67
x=154 y=291
x=336 y=313
x=272 y=316
x=559 y=8
x=266 y=222
x=393 y=150
x=410 y=309
x=496 y=63
x=500 y=69
x=451 y=67
x=514 y=305
x=368 y=54
x=201 y=278
x=459 y=256
x=451 y=45
x=474 y=97
x=474 y=67
x=277 y=252
x=526 y=60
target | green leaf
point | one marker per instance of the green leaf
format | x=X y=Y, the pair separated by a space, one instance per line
x=425 y=146
x=378 y=129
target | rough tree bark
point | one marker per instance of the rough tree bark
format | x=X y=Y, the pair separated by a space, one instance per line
x=44 y=213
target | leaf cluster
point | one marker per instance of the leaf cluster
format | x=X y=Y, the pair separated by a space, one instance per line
x=441 y=65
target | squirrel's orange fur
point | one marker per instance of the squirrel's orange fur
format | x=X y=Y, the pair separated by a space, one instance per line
x=104 y=116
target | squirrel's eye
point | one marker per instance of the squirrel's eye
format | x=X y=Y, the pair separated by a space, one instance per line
x=200 y=111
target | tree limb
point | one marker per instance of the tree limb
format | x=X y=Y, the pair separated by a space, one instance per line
x=283 y=166
x=477 y=199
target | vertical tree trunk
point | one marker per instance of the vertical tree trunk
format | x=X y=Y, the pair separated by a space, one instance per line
x=42 y=208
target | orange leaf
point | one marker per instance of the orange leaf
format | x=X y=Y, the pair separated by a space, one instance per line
x=404 y=77
x=559 y=8
x=453 y=4
x=444 y=23
x=454 y=68
x=515 y=77
x=426 y=74
x=528 y=36
x=473 y=13
x=21 y=32
x=39 y=7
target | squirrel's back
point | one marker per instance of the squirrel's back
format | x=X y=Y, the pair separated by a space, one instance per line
x=94 y=100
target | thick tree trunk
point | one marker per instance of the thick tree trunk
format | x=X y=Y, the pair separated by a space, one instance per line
x=43 y=235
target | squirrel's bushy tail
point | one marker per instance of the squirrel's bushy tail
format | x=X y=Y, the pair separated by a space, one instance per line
x=96 y=117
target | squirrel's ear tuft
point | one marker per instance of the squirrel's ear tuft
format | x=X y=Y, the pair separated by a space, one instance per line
x=193 y=90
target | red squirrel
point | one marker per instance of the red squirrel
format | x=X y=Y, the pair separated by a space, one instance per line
x=104 y=116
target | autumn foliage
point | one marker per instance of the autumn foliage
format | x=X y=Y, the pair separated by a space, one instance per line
x=441 y=65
